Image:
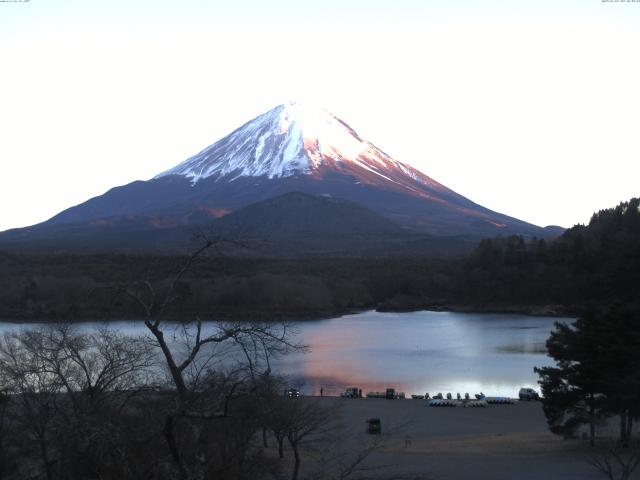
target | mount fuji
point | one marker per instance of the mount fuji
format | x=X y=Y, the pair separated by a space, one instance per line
x=291 y=148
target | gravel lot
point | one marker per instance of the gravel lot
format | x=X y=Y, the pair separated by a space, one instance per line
x=496 y=442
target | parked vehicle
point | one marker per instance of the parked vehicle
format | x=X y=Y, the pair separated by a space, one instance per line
x=500 y=400
x=376 y=395
x=443 y=403
x=389 y=393
x=528 y=394
x=292 y=393
x=351 y=392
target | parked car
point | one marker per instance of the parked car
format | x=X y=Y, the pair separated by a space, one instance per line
x=351 y=392
x=292 y=393
x=528 y=394
x=376 y=395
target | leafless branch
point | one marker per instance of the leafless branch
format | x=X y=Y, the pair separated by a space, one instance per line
x=615 y=462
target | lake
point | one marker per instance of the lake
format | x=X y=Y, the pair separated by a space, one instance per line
x=414 y=352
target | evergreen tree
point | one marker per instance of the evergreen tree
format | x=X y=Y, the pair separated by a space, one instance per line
x=597 y=372
x=621 y=361
x=572 y=388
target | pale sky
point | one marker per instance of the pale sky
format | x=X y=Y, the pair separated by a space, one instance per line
x=530 y=108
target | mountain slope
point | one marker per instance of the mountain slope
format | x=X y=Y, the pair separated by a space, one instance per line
x=297 y=214
x=291 y=225
x=292 y=148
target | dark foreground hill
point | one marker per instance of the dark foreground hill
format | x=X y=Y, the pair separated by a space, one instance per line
x=290 y=225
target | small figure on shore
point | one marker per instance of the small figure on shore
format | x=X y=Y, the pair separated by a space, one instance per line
x=321 y=392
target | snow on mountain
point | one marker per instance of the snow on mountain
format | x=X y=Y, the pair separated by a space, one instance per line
x=295 y=139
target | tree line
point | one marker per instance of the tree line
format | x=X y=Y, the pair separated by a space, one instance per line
x=598 y=262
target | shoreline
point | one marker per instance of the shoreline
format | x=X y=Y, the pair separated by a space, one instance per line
x=556 y=311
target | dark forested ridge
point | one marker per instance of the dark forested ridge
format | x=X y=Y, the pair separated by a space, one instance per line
x=85 y=287
x=597 y=263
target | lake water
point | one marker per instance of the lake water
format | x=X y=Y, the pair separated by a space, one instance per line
x=414 y=352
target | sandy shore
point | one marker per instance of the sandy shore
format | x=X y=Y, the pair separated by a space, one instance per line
x=494 y=443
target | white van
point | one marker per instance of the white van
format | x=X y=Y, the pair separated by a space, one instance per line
x=528 y=394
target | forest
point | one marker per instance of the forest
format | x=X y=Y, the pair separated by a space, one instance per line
x=598 y=263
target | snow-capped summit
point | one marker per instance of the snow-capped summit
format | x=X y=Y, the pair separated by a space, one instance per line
x=292 y=138
x=296 y=139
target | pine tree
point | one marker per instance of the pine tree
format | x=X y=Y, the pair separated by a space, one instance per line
x=572 y=389
x=597 y=372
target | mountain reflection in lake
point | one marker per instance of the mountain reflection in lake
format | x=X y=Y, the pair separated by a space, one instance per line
x=414 y=352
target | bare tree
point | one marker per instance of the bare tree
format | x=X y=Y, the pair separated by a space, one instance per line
x=208 y=364
x=90 y=366
x=67 y=390
x=4 y=401
x=306 y=427
x=256 y=341
x=275 y=413
x=8 y=446
x=36 y=393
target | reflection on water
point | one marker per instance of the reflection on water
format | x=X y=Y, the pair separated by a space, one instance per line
x=421 y=352
x=414 y=352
